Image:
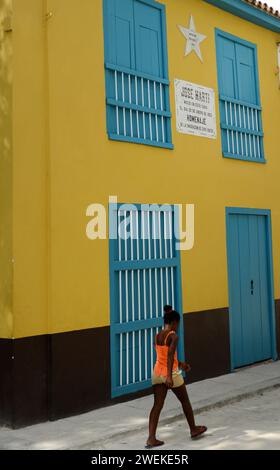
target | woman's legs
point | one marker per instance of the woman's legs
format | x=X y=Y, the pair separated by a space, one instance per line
x=182 y=395
x=160 y=392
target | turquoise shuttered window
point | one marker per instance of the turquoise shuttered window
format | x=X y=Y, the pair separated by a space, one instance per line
x=239 y=96
x=137 y=85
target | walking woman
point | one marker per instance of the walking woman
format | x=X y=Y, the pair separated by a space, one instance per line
x=167 y=375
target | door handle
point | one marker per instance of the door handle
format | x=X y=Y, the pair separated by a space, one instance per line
x=252 y=287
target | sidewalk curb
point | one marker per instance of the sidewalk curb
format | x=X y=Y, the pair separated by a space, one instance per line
x=200 y=407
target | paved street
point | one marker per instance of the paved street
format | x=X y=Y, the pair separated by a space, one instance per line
x=253 y=423
x=241 y=410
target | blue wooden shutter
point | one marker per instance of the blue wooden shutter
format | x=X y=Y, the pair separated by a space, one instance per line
x=228 y=74
x=245 y=64
x=137 y=88
x=120 y=52
x=149 y=39
x=240 y=110
x=119 y=27
x=227 y=85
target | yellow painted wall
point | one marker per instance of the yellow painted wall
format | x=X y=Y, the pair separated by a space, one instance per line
x=30 y=170
x=6 y=267
x=63 y=161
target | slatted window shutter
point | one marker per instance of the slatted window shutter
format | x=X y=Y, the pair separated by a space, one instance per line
x=137 y=86
x=240 y=109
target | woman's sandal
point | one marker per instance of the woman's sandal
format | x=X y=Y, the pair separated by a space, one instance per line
x=157 y=444
x=200 y=430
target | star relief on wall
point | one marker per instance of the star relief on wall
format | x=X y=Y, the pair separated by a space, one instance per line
x=193 y=38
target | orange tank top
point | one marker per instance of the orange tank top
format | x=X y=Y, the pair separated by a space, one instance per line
x=161 y=362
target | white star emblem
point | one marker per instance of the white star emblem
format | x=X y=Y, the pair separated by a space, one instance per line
x=193 y=38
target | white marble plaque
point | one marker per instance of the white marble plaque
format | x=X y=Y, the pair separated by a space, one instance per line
x=195 y=109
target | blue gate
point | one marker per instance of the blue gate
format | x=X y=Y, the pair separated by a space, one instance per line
x=145 y=275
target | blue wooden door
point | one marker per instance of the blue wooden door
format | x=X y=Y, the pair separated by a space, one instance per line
x=145 y=275
x=250 y=290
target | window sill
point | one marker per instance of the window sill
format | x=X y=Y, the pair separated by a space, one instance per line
x=246 y=159
x=134 y=140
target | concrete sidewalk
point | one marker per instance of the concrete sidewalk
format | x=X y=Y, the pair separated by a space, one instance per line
x=88 y=430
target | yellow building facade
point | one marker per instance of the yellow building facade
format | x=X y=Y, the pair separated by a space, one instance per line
x=57 y=160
